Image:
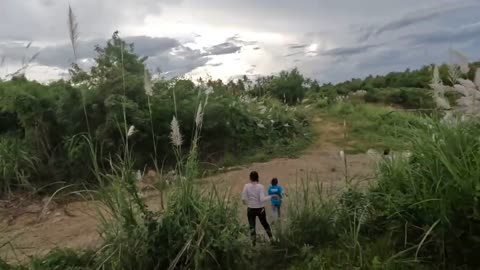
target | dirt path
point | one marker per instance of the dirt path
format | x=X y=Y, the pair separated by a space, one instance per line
x=76 y=226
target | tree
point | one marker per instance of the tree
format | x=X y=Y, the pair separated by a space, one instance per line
x=288 y=86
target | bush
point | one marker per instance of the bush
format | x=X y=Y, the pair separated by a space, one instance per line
x=313 y=221
x=431 y=199
x=16 y=164
x=196 y=229
x=410 y=98
x=64 y=259
x=288 y=87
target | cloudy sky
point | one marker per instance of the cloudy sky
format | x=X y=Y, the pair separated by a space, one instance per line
x=327 y=40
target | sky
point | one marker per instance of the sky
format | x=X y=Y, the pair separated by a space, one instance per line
x=327 y=40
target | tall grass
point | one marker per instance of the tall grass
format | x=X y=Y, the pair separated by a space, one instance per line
x=198 y=229
x=312 y=216
x=16 y=165
x=431 y=199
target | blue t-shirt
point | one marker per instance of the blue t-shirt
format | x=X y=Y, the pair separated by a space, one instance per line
x=277 y=190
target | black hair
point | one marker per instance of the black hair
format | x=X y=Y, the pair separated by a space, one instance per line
x=254 y=176
x=274 y=181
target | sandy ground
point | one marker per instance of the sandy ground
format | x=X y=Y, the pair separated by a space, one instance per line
x=74 y=225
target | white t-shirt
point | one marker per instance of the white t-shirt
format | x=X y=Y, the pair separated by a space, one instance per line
x=254 y=195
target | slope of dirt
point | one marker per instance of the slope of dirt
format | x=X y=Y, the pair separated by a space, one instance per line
x=75 y=226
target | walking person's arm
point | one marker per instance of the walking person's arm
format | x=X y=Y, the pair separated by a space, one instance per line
x=264 y=198
x=244 y=195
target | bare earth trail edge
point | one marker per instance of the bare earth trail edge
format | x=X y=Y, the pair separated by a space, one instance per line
x=75 y=225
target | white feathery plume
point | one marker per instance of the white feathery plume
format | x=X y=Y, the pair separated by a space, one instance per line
x=477 y=78
x=73 y=30
x=467 y=83
x=175 y=135
x=199 y=116
x=147 y=83
x=441 y=102
x=342 y=154
x=461 y=89
x=131 y=131
x=209 y=90
x=436 y=76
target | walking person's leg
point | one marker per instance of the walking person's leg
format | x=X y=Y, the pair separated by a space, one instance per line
x=274 y=213
x=251 y=222
x=263 y=220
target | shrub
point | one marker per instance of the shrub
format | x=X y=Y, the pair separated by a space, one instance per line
x=312 y=220
x=16 y=164
x=431 y=199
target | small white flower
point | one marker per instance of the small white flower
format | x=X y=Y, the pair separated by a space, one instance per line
x=131 y=131
x=342 y=154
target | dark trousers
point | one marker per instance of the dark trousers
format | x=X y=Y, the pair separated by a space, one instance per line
x=252 y=214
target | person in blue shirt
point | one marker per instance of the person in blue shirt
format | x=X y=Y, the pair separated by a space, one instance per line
x=276 y=189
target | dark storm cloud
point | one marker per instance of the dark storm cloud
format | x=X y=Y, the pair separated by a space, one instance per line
x=61 y=55
x=413 y=18
x=237 y=40
x=293 y=54
x=231 y=45
x=223 y=48
x=178 y=62
x=297 y=46
x=415 y=31
x=164 y=53
x=349 y=51
x=44 y=20
x=461 y=34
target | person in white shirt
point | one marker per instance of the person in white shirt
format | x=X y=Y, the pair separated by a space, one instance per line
x=254 y=197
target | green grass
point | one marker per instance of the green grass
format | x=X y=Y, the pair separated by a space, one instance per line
x=371 y=126
x=433 y=197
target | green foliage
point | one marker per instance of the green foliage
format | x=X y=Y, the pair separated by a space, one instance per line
x=196 y=230
x=431 y=199
x=372 y=126
x=49 y=122
x=16 y=164
x=57 y=259
x=288 y=86
x=409 y=98
x=63 y=259
x=408 y=89
x=313 y=221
